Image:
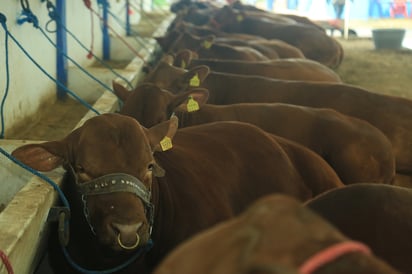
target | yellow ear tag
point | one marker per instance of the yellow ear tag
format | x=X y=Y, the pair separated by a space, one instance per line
x=166 y=143
x=183 y=64
x=192 y=105
x=239 y=18
x=195 y=81
x=207 y=44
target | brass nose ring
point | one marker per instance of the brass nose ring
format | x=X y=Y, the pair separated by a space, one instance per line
x=119 y=241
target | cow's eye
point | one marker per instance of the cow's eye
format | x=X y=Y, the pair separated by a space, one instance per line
x=81 y=173
x=150 y=167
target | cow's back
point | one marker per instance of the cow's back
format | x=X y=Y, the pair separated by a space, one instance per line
x=378 y=215
x=231 y=150
x=274 y=235
x=387 y=113
x=287 y=69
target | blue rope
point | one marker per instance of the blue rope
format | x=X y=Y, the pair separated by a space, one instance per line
x=6 y=92
x=3 y=23
x=29 y=15
x=38 y=174
x=142 y=250
x=55 y=17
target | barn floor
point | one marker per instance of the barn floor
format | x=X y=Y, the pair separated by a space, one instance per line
x=381 y=71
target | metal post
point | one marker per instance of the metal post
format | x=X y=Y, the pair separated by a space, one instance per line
x=61 y=42
x=128 y=30
x=105 y=30
x=346 y=19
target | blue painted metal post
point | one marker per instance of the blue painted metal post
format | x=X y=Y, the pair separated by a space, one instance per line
x=61 y=42
x=128 y=30
x=106 y=38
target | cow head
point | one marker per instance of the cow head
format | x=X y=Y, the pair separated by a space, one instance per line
x=183 y=58
x=226 y=17
x=175 y=79
x=192 y=42
x=111 y=157
x=151 y=105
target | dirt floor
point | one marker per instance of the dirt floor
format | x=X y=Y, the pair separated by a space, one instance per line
x=381 y=71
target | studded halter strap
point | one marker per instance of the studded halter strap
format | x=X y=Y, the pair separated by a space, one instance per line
x=116 y=182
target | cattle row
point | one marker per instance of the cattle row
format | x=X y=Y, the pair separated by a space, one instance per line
x=242 y=151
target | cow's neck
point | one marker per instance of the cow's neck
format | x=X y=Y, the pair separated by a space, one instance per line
x=166 y=232
x=220 y=85
x=216 y=51
x=206 y=114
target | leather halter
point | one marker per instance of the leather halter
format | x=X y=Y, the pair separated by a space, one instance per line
x=115 y=182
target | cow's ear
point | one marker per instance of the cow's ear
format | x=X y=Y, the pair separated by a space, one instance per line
x=120 y=91
x=183 y=58
x=161 y=135
x=42 y=157
x=168 y=59
x=193 y=100
x=161 y=40
x=196 y=76
x=207 y=41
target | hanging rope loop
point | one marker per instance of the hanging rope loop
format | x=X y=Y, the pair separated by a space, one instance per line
x=29 y=17
x=54 y=17
x=3 y=19
x=25 y=5
x=52 y=11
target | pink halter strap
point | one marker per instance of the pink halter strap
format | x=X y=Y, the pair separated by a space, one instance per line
x=331 y=253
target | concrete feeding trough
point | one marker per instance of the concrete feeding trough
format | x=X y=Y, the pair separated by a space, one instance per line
x=25 y=199
x=391 y=38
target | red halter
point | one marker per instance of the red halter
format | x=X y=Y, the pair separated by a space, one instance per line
x=331 y=253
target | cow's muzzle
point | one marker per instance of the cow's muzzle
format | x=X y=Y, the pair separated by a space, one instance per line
x=116 y=182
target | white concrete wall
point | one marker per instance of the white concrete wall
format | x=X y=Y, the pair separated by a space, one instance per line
x=29 y=88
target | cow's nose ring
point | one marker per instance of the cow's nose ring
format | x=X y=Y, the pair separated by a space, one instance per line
x=119 y=241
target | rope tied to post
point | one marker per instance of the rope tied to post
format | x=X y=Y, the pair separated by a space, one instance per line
x=55 y=17
x=61 y=85
x=28 y=16
x=104 y=3
x=3 y=20
x=31 y=15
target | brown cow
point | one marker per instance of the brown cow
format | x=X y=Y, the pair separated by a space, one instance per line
x=206 y=48
x=287 y=69
x=390 y=114
x=273 y=48
x=357 y=151
x=274 y=235
x=378 y=215
x=313 y=42
x=259 y=12
x=210 y=173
